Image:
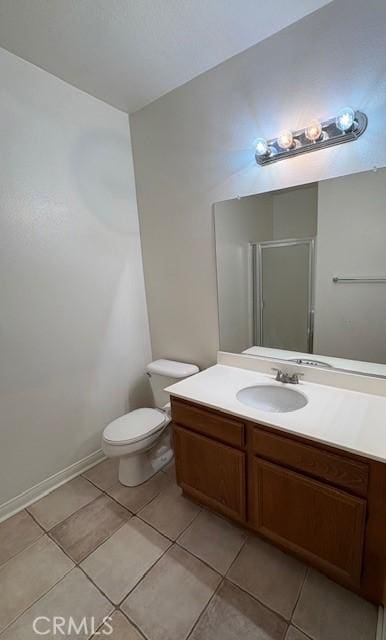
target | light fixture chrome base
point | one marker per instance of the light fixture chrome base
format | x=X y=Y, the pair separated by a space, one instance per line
x=331 y=136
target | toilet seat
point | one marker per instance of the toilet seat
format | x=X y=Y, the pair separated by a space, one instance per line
x=134 y=426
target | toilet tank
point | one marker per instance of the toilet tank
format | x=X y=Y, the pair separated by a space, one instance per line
x=163 y=373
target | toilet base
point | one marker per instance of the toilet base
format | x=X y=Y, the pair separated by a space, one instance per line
x=136 y=468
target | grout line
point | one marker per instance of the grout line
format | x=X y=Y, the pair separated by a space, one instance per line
x=145 y=574
x=19 y=615
x=53 y=491
x=142 y=506
x=143 y=578
x=77 y=511
x=200 y=559
x=137 y=628
x=301 y=631
x=29 y=545
x=205 y=608
x=154 y=528
x=137 y=513
x=300 y=592
x=105 y=492
x=36 y=521
x=161 y=532
x=134 y=625
x=78 y=562
x=236 y=557
x=78 y=566
x=260 y=602
x=227 y=577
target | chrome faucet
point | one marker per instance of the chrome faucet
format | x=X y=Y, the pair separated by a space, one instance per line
x=287 y=378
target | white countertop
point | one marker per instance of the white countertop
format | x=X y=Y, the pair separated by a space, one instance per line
x=349 y=420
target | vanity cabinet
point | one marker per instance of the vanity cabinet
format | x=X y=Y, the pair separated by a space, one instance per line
x=323 y=525
x=211 y=472
x=325 y=506
x=210 y=458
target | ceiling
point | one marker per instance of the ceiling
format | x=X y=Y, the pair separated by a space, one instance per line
x=130 y=52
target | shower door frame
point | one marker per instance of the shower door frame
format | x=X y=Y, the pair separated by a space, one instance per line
x=257 y=283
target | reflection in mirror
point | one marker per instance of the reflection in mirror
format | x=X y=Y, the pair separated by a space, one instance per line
x=302 y=271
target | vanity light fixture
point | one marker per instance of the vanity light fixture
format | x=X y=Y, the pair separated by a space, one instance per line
x=261 y=147
x=286 y=140
x=346 y=126
x=314 y=131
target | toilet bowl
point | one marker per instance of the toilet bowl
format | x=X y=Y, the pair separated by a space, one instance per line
x=141 y=439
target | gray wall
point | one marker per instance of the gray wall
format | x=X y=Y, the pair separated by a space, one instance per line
x=295 y=213
x=73 y=324
x=350 y=318
x=193 y=147
x=237 y=224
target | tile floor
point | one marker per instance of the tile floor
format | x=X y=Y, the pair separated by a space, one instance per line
x=162 y=568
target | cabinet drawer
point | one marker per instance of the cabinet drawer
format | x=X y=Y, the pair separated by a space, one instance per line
x=323 y=525
x=338 y=470
x=211 y=472
x=210 y=424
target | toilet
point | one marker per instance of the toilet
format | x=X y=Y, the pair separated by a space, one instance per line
x=141 y=439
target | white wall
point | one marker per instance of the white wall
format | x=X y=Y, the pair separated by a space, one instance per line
x=350 y=318
x=73 y=323
x=193 y=147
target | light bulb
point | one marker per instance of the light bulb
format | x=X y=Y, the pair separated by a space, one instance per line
x=261 y=147
x=345 y=119
x=313 y=131
x=285 y=139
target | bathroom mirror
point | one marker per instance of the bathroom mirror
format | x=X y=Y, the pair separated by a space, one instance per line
x=301 y=273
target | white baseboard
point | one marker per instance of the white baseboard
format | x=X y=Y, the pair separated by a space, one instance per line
x=381 y=629
x=9 y=508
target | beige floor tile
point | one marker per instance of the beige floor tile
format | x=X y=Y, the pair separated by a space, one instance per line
x=16 y=534
x=74 y=597
x=28 y=576
x=295 y=634
x=170 y=598
x=120 y=562
x=214 y=540
x=122 y=629
x=105 y=474
x=269 y=575
x=85 y=530
x=232 y=614
x=170 y=512
x=135 y=498
x=326 y=611
x=63 y=502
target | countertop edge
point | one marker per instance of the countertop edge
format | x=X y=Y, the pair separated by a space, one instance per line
x=334 y=445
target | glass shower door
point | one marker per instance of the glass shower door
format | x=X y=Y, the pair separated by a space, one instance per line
x=285 y=283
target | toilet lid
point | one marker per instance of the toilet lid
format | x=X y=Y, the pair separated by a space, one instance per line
x=134 y=426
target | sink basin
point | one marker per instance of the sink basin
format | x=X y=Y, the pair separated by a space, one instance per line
x=269 y=397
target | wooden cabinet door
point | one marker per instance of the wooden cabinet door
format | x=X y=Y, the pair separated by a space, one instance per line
x=323 y=525
x=211 y=472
